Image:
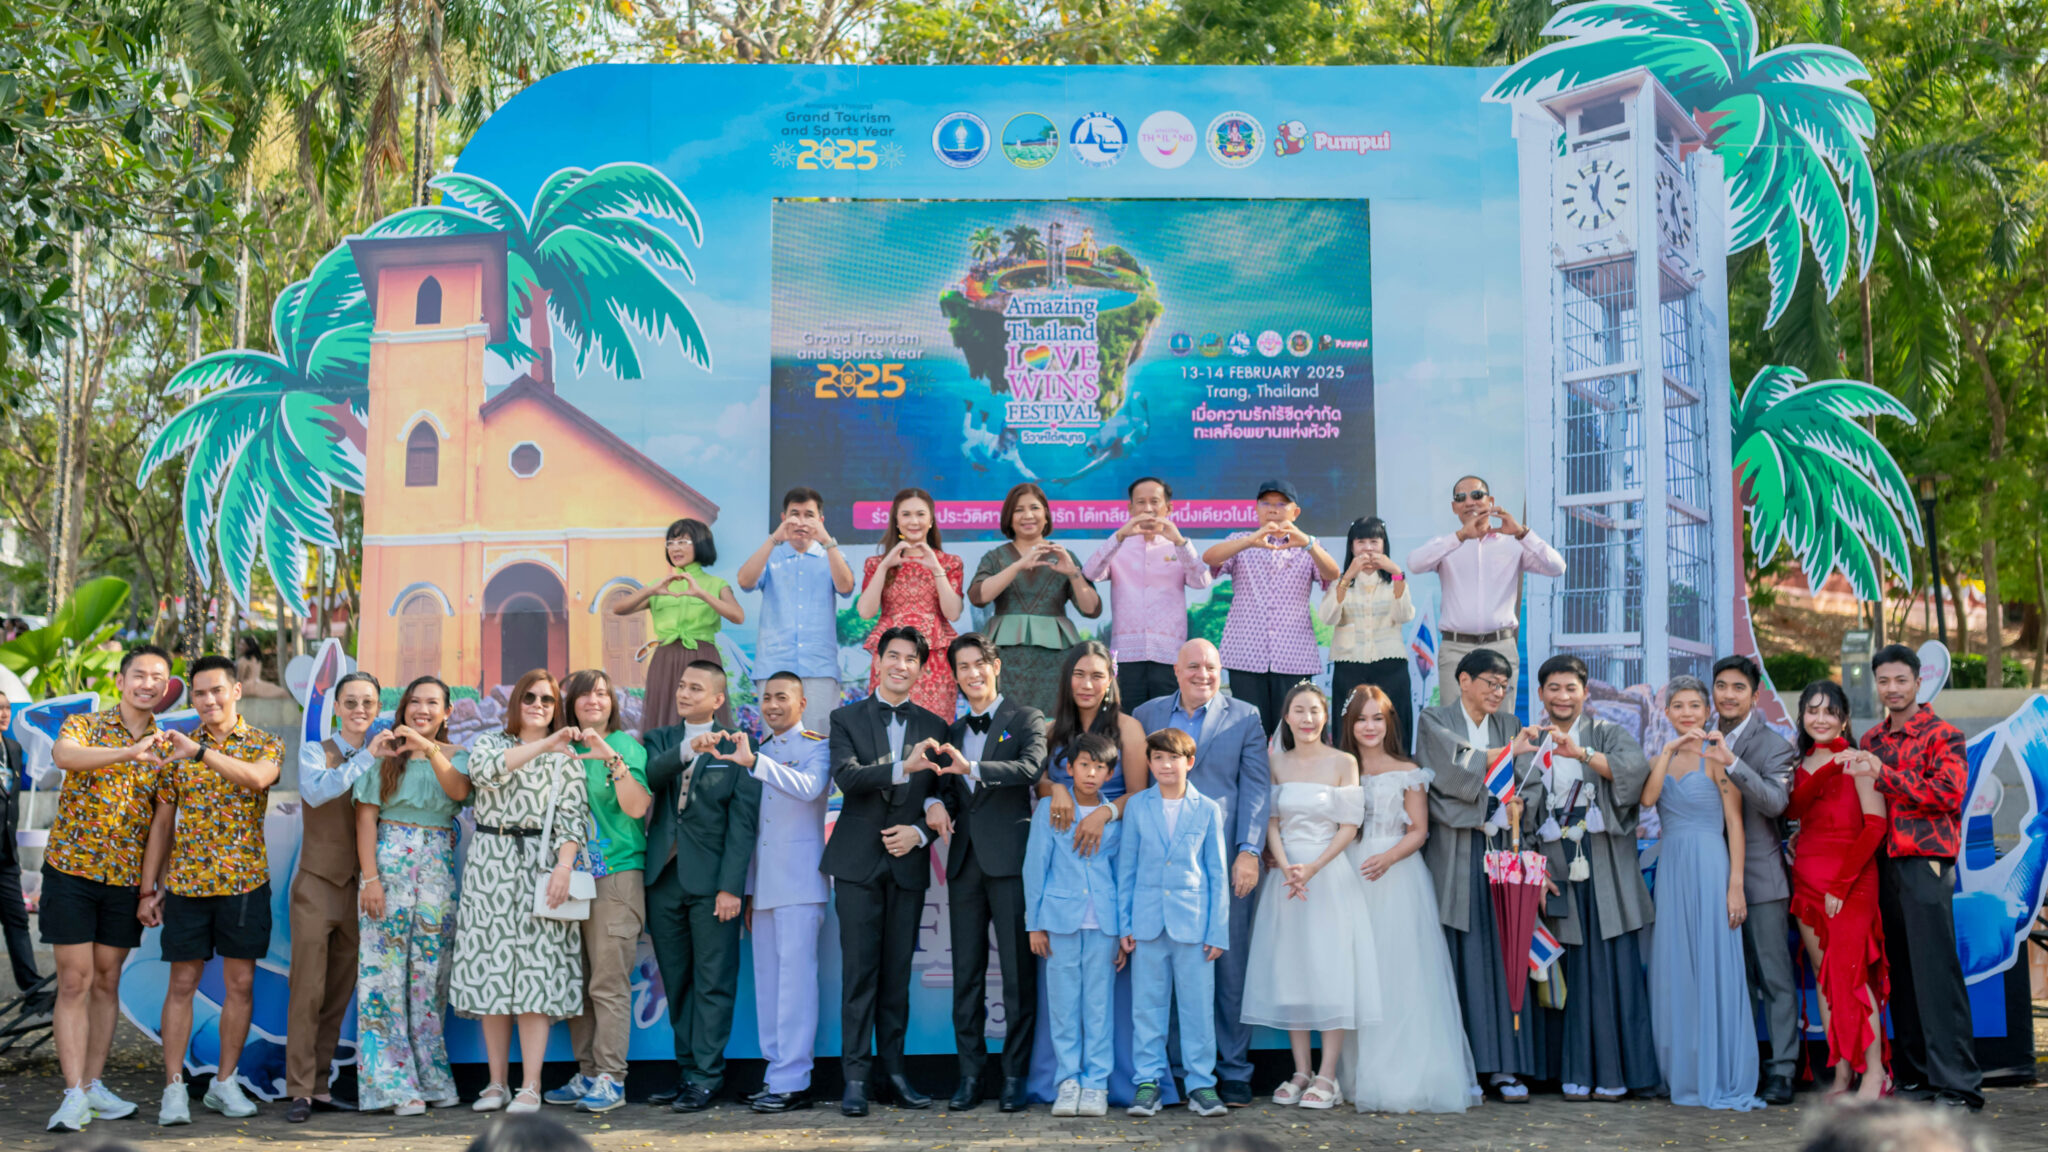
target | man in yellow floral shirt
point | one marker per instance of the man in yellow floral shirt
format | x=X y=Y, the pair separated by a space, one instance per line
x=91 y=874
x=210 y=802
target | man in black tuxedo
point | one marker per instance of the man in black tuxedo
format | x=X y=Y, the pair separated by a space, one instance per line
x=990 y=763
x=881 y=764
x=21 y=951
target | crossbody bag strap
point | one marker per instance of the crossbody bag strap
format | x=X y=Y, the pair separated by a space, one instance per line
x=547 y=830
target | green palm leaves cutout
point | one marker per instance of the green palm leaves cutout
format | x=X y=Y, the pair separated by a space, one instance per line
x=273 y=436
x=1815 y=480
x=1790 y=131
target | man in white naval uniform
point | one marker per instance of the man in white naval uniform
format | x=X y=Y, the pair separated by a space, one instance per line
x=794 y=767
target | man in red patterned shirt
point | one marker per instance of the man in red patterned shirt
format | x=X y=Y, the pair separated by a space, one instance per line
x=1923 y=782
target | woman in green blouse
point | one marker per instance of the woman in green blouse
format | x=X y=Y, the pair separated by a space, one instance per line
x=688 y=607
x=405 y=841
x=1030 y=581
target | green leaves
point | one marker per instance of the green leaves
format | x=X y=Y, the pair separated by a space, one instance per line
x=66 y=655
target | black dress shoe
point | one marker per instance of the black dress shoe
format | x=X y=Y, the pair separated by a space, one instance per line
x=1959 y=1101
x=907 y=1096
x=692 y=1098
x=1016 y=1097
x=784 y=1102
x=301 y=1110
x=1777 y=1090
x=665 y=1097
x=334 y=1104
x=1235 y=1093
x=854 y=1100
x=967 y=1096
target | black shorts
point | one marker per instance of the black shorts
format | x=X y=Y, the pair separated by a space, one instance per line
x=75 y=910
x=201 y=927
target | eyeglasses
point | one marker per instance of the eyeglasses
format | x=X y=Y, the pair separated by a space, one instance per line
x=537 y=698
x=358 y=705
x=1474 y=494
x=1493 y=684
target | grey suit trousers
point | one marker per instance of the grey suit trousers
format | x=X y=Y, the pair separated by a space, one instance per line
x=1764 y=945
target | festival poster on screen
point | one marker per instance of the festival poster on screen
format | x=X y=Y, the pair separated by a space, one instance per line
x=964 y=346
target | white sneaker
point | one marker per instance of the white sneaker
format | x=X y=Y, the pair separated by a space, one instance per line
x=225 y=1096
x=72 y=1115
x=106 y=1105
x=1068 y=1102
x=177 y=1105
x=1094 y=1102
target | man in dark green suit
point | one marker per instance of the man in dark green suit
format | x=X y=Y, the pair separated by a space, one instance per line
x=700 y=836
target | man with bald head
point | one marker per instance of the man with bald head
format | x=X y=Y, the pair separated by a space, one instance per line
x=1480 y=570
x=1230 y=768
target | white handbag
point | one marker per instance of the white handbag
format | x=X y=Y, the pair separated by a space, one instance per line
x=582 y=885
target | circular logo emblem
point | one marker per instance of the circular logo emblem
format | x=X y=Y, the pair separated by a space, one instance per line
x=1030 y=140
x=1240 y=343
x=1167 y=139
x=1269 y=343
x=1300 y=343
x=1099 y=139
x=1212 y=344
x=1235 y=139
x=960 y=140
x=1182 y=344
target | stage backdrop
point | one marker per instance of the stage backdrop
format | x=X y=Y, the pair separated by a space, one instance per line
x=651 y=292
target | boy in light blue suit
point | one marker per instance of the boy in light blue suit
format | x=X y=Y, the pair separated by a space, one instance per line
x=1173 y=890
x=1072 y=913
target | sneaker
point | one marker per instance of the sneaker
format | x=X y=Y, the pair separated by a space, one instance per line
x=1205 y=1102
x=75 y=1113
x=226 y=1097
x=1146 y=1101
x=528 y=1100
x=1094 y=1102
x=573 y=1092
x=177 y=1105
x=106 y=1105
x=1068 y=1102
x=605 y=1094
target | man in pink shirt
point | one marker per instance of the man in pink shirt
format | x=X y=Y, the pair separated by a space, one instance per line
x=1480 y=569
x=1149 y=566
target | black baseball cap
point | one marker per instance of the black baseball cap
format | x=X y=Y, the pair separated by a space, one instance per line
x=1282 y=487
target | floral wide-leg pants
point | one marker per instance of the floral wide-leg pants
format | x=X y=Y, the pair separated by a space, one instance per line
x=402 y=990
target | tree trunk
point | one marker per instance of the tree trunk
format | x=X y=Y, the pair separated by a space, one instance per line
x=242 y=261
x=1960 y=609
x=2040 y=605
x=1994 y=405
x=192 y=625
x=1994 y=609
x=1770 y=702
x=1870 y=377
x=64 y=509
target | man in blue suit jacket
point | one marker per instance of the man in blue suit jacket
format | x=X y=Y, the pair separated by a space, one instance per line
x=1230 y=768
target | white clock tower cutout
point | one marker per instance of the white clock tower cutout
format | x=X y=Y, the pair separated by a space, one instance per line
x=1626 y=404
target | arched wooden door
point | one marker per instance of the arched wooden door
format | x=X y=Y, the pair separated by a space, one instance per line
x=419 y=637
x=623 y=636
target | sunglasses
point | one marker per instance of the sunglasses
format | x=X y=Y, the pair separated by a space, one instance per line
x=1475 y=494
x=536 y=698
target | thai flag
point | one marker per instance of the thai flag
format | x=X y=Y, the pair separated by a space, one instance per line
x=1543 y=952
x=1423 y=647
x=1500 y=775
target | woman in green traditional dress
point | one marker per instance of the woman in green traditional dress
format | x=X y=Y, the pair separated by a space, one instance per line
x=1031 y=580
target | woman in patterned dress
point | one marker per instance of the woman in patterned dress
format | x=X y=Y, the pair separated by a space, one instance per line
x=405 y=839
x=1030 y=580
x=919 y=585
x=514 y=963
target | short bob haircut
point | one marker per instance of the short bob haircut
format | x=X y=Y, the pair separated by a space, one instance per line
x=1015 y=498
x=519 y=691
x=581 y=684
x=699 y=535
x=1367 y=528
x=1480 y=661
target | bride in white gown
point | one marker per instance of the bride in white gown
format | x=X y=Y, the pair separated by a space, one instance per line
x=1415 y=1058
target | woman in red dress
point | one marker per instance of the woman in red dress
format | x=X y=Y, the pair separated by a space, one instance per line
x=919 y=586
x=1834 y=888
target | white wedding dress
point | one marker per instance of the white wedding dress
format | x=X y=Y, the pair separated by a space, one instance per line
x=1311 y=966
x=1416 y=1057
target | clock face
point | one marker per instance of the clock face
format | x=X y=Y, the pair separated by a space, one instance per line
x=1674 y=212
x=1595 y=195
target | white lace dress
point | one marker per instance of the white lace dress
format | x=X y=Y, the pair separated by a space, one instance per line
x=1415 y=1058
x=1312 y=961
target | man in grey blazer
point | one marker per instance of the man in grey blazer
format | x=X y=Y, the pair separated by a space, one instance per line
x=1762 y=772
x=1231 y=769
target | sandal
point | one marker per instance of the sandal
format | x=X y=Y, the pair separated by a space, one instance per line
x=490 y=1099
x=411 y=1108
x=1318 y=1097
x=1512 y=1091
x=1290 y=1092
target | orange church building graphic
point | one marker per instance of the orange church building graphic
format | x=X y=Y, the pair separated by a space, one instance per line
x=499 y=530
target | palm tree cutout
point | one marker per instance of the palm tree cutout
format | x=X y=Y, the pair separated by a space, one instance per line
x=279 y=433
x=1815 y=480
x=1024 y=241
x=983 y=243
x=1790 y=131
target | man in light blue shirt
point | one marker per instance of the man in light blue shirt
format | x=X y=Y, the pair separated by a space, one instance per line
x=802 y=576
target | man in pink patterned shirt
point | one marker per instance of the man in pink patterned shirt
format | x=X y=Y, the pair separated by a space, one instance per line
x=1480 y=568
x=1269 y=642
x=1149 y=566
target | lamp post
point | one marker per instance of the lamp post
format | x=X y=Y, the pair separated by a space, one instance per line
x=1927 y=487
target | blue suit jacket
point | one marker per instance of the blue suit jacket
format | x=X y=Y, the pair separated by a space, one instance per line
x=1230 y=766
x=1058 y=881
x=1181 y=887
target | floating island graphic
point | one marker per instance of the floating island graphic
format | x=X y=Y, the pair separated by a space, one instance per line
x=1023 y=261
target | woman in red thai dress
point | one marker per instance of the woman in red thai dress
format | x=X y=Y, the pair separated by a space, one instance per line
x=1834 y=889
x=920 y=586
